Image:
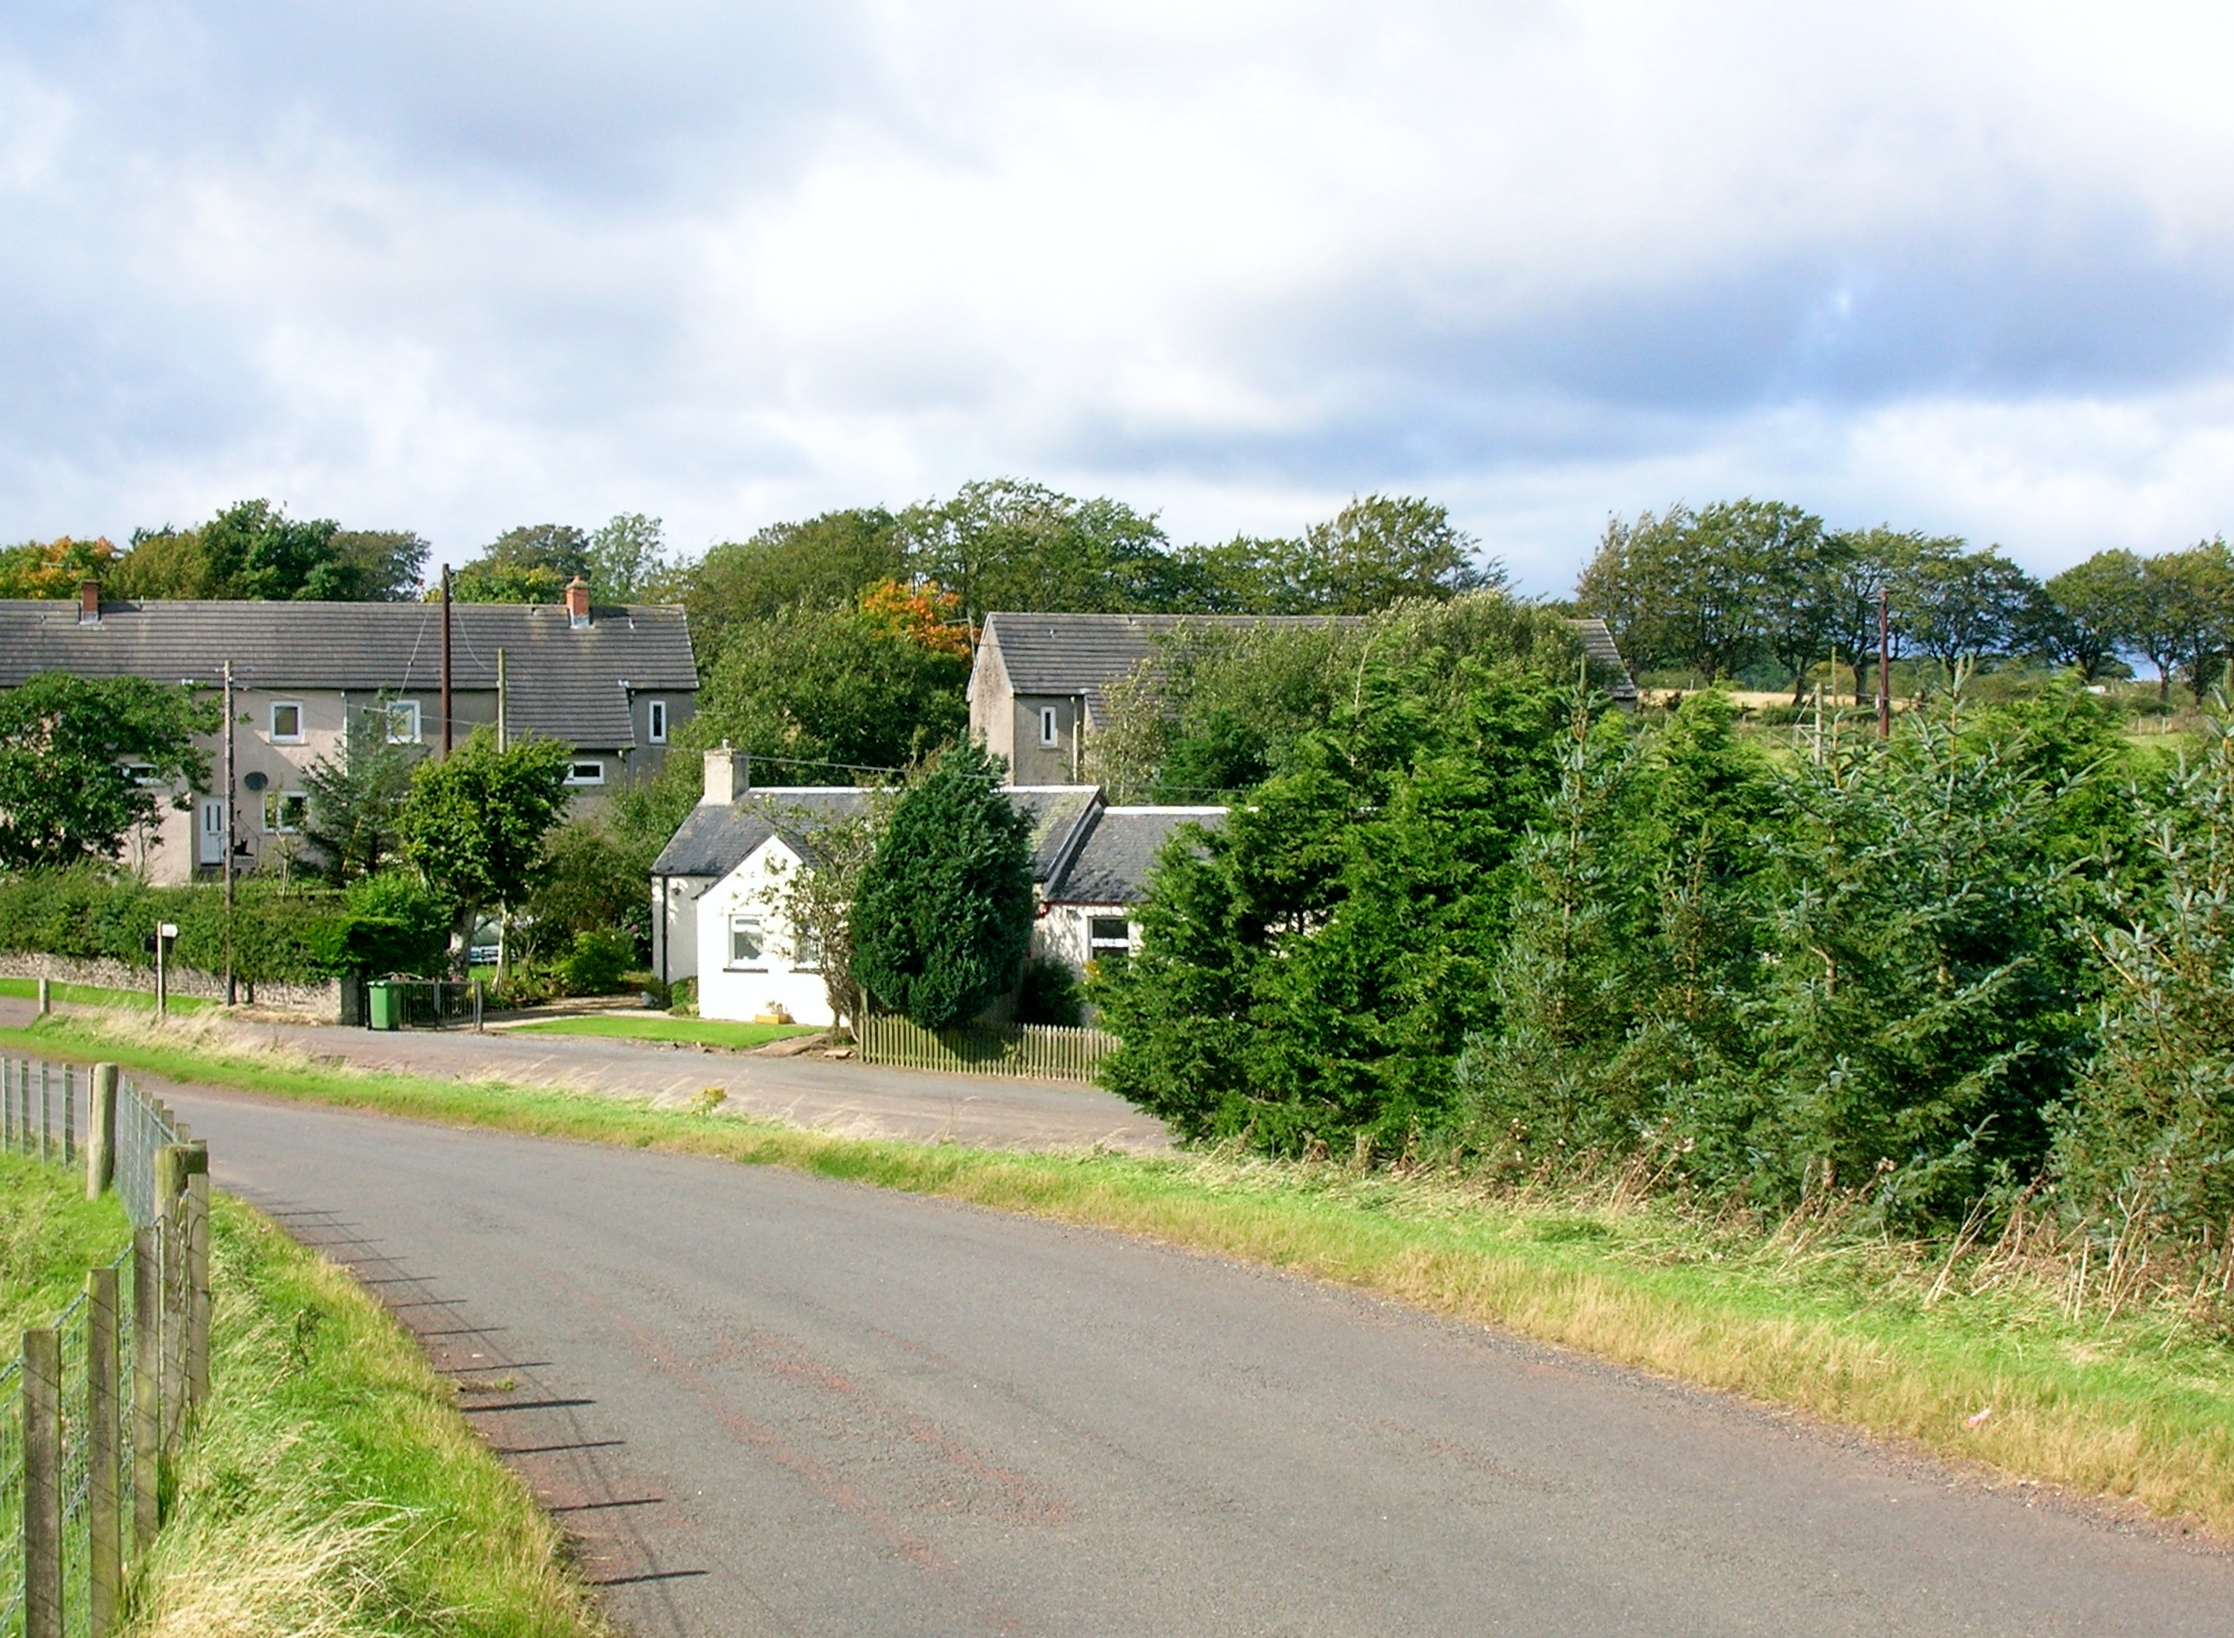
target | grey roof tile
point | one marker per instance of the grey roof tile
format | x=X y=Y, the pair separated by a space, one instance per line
x=1114 y=861
x=560 y=682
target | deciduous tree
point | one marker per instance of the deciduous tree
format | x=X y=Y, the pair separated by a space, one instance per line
x=84 y=760
x=474 y=823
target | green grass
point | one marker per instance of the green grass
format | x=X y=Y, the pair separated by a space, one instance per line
x=332 y=1488
x=50 y=1234
x=658 y=1027
x=1993 y=1370
x=95 y=995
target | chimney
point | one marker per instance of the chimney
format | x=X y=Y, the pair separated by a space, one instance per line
x=578 y=603
x=89 y=602
x=721 y=778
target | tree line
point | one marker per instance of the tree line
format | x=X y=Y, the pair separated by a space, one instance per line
x=1466 y=913
x=1746 y=586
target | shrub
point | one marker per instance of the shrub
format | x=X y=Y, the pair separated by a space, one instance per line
x=1049 y=993
x=600 y=959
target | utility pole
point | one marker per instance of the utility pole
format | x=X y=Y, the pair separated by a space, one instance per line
x=445 y=660
x=231 y=828
x=503 y=719
x=1884 y=664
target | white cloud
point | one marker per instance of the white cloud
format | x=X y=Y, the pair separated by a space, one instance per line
x=460 y=266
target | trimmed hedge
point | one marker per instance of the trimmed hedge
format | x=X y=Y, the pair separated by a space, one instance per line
x=281 y=934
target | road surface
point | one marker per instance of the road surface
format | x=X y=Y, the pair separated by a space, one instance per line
x=835 y=1095
x=768 y=1403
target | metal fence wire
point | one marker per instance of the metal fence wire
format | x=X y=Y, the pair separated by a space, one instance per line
x=84 y=1400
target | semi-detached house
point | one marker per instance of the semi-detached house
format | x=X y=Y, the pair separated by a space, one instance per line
x=613 y=683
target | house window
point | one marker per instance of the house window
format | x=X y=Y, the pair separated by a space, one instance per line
x=806 y=953
x=284 y=812
x=403 y=722
x=1109 y=940
x=1047 y=725
x=140 y=773
x=655 y=717
x=585 y=773
x=286 y=723
x=744 y=943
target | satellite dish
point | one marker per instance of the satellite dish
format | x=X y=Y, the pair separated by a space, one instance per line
x=254 y=781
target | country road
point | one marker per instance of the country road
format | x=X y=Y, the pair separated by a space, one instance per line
x=768 y=1403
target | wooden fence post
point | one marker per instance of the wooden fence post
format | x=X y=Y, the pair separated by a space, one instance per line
x=197 y=1275
x=46 y=997
x=100 y=1147
x=42 y=1484
x=147 y=1384
x=104 y=1515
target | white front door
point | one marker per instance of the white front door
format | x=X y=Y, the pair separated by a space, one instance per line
x=212 y=831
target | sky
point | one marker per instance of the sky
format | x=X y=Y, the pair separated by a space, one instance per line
x=463 y=265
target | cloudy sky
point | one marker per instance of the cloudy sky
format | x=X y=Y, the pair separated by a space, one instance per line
x=455 y=266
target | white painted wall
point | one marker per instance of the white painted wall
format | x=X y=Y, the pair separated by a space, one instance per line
x=745 y=990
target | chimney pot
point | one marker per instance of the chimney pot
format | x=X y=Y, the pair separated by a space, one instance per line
x=578 y=602
x=89 y=602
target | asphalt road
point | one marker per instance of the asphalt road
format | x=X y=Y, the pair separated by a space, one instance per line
x=834 y=1095
x=768 y=1403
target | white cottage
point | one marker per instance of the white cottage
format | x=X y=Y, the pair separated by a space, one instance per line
x=719 y=886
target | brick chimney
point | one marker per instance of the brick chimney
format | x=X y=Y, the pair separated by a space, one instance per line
x=578 y=603
x=89 y=602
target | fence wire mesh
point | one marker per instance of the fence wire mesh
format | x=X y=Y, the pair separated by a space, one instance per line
x=44 y=1109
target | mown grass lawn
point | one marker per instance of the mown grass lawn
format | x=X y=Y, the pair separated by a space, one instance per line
x=1871 y=1335
x=659 y=1027
x=96 y=995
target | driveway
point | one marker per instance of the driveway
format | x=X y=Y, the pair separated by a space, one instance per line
x=771 y=1403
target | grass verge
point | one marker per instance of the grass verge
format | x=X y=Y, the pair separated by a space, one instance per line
x=1869 y=1335
x=50 y=1234
x=332 y=1489
x=653 y=1027
x=95 y=995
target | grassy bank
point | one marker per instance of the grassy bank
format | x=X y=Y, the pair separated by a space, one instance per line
x=332 y=1488
x=658 y=1027
x=1975 y=1356
x=50 y=1234
x=95 y=995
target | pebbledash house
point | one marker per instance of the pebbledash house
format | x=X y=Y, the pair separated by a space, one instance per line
x=612 y=683
x=719 y=888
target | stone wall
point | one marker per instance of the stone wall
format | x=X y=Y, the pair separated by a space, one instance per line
x=318 y=1000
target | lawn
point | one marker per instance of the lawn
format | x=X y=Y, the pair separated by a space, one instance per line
x=1975 y=1362
x=654 y=1026
x=94 y=995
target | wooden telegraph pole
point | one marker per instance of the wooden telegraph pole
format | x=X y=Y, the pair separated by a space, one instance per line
x=446 y=660
x=232 y=822
x=1884 y=664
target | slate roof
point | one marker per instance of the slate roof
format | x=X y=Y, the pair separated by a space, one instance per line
x=1072 y=654
x=1082 y=654
x=1120 y=848
x=1059 y=814
x=716 y=837
x=559 y=681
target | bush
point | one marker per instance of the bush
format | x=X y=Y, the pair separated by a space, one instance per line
x=280 y=934
x=599 y=961
x=1049 y=994
x=682 y=998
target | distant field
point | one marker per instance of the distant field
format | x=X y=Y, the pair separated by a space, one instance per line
x=94 y=995
x=654 y=1027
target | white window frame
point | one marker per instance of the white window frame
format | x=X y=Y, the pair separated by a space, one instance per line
x=1049 y=734
x=408 y=709
x=575 y=776
x=278 y=738
x=655 y=721
x=141 y=774
x=757 y=962
x=1097 y=942
x=276 y=804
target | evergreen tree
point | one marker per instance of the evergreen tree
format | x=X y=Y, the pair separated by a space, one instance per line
x=944 y=914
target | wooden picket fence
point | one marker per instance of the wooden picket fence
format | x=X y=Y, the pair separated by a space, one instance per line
x=95 y=1408
x=1039 y=1052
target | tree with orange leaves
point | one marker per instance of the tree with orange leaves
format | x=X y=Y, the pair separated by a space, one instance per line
x=923 y=612
x=53 y=568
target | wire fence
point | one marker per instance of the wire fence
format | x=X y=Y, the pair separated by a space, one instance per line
x=95 y=1406
x=1040 y=1052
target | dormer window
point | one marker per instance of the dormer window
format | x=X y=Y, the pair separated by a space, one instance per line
x=1047 y=725
x=655 y=721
